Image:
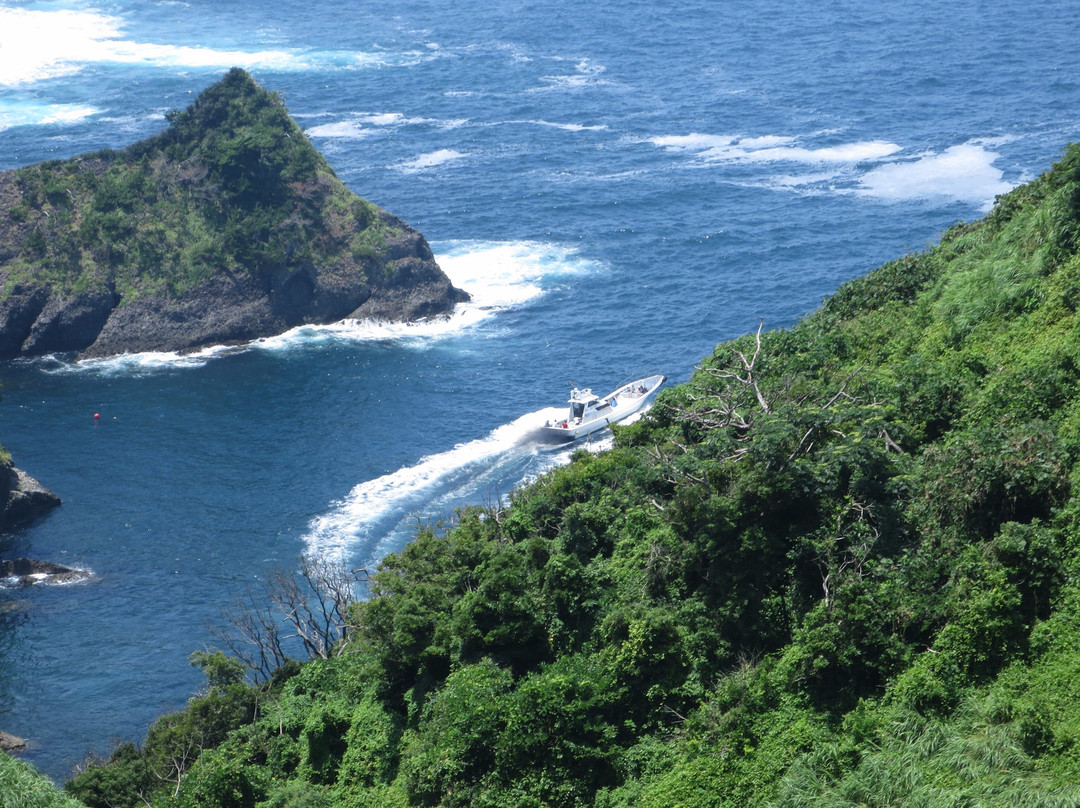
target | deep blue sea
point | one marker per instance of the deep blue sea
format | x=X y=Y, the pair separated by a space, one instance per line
x=620 y=184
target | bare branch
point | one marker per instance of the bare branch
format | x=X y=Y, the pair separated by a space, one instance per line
x=312 y=606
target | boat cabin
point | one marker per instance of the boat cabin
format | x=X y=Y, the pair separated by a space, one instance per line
x=585 y=405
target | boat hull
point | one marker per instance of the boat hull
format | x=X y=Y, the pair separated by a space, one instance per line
x=624 y=402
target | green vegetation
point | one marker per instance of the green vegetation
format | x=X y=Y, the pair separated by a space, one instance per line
x=232 y=185
x=838 y=567
x=22 y=787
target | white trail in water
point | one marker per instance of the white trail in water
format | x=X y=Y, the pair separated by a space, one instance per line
x=380 y=516
x=377 y=511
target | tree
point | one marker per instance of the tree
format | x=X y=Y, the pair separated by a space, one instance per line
x=311 y=608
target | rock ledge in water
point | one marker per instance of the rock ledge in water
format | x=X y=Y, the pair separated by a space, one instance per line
x=27 y=572
x=11 y=743
x=22 y=498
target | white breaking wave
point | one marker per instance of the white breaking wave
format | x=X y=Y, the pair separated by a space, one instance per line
x=567 y=127
x=340 y=130
x=43 y=44
x=497 y=275
x=571 y=127
x=30 y=112
x=362 y=125
x=586 y=74
x=965 y=173
x=134 y=364
x=429 y=160
x=772 y=148
x=509 y=273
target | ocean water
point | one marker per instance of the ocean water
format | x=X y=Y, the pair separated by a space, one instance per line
x=620 y=185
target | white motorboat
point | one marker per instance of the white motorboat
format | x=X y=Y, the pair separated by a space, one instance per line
x=589 y=412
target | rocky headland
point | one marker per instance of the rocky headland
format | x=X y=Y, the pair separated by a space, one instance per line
x=226 y=227
x=22 y=499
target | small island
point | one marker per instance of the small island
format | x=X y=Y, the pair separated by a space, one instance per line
x=226 y=227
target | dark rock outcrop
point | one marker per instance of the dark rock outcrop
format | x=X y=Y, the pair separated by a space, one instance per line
x=22 y=499
x=233 y=308
x=27 y=572
x=11 y=743
x=226 y=227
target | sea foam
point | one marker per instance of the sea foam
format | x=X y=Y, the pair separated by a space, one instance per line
x=36 y=45
x=429 y=160
x=965 y=173
x=15 y=111
x=872 y=168
x=773 y=148
x=365 y=124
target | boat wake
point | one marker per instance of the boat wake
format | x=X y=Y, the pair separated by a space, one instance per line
x=381 y=516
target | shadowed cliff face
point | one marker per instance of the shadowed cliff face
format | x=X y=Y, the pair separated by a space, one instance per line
x=226 y=227
x=227 y=308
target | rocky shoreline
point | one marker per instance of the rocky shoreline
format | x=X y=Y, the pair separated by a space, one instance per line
x=28 y=571
x=22 y=499
x=11 y=743
x=226 y=309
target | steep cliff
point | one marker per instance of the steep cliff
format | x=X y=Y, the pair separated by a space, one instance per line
x=225 y=227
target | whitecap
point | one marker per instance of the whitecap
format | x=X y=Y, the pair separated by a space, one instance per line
x=27 y=112
x=773 y=148
x=429 y=160
x=341 y=130
x=497 y=276
x=568 y=127
x=134 y=364
x=362 y=125
x=37 y=45
x=965 y=173
x=42 y=44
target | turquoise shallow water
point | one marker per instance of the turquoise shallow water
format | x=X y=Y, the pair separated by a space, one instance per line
x=620 y=185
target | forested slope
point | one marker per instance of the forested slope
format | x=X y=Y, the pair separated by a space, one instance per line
x=836 y=568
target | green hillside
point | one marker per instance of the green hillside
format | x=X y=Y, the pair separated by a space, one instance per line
x=836 y=568
x=22 y=787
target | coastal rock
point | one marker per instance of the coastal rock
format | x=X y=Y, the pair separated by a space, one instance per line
x=19 y=310
x=69 y=324
x=226 y=227
x=11 y=743
x=229 y=309
x=22 y=499
x=28 y=571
